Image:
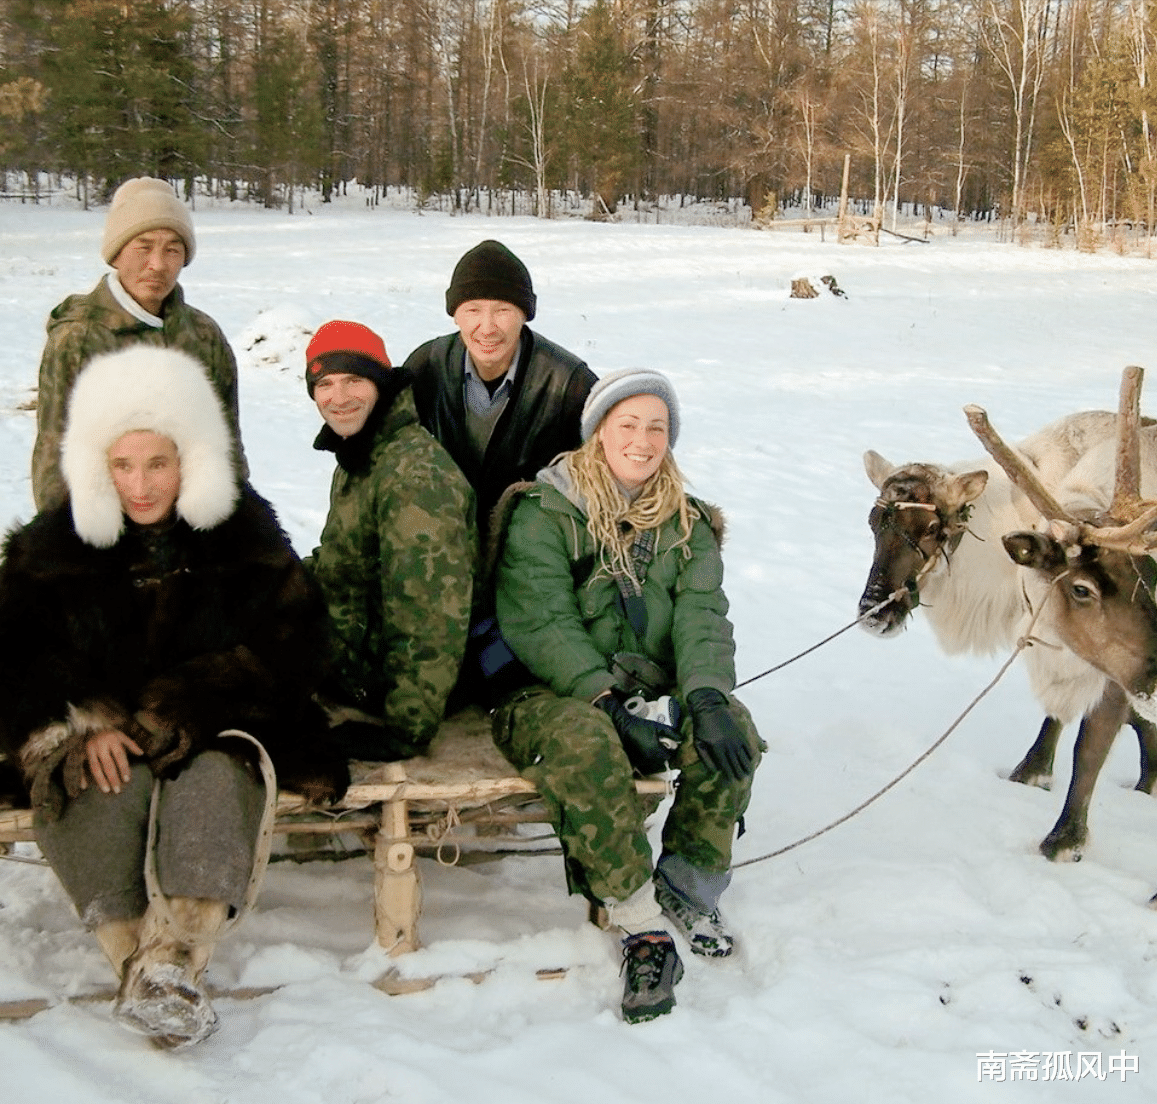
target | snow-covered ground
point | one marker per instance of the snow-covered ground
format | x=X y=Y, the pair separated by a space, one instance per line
x=877 y=962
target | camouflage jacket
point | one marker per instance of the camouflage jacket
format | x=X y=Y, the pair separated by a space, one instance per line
x=85 y=325
x=396 y=564
x=561 y=613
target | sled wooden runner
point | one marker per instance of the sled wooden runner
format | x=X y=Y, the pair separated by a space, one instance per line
x=462 y=798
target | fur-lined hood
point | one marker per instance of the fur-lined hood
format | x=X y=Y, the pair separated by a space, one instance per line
x=146 y=388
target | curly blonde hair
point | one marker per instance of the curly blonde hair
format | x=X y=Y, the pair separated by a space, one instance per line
x=613 y=520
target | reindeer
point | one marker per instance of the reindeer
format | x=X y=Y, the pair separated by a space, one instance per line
x=1088 y=581
x=937 y=544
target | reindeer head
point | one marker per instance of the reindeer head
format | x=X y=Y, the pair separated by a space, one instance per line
x=1091 y=575
x=919 y=515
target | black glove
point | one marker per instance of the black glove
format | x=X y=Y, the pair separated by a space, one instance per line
x=641 y=738
x=718 y=739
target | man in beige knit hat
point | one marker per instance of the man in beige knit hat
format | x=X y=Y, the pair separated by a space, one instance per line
x=148 y=239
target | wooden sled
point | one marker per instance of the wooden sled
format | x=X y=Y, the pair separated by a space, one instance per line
x=462 y=798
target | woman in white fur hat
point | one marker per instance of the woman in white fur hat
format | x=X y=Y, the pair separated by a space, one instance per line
x=609 y=589
x=159 y=606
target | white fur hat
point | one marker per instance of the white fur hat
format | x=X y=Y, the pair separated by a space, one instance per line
x=143 y=387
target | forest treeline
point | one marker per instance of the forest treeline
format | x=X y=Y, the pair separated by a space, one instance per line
x=1005 y=108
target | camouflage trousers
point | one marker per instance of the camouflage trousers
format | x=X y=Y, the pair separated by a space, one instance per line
x=569 y=750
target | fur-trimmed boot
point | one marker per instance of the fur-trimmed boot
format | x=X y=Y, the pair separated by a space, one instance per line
x=161 y=994
x=119 y=940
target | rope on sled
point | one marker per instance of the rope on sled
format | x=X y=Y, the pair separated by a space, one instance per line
x=1025 y=641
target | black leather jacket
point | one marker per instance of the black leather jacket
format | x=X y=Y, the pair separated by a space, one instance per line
x=541 y=419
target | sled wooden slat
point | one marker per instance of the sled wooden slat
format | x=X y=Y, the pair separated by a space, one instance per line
x=421 y=803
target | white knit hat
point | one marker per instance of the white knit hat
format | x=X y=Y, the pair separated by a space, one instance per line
x=146 y=388
x=623 y=384
x=142 y=204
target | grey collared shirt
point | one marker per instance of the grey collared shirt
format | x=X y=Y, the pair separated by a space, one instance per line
x=482 y=408
x=479 y=401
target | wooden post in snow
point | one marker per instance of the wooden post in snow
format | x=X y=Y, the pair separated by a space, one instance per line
x=841 y=233
x=397 y=888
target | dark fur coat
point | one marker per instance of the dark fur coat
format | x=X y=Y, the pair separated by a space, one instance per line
x=170 y=636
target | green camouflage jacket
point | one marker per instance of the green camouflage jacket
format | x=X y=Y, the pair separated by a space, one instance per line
x=562 y=616
x=396 y=563
x=85 y=325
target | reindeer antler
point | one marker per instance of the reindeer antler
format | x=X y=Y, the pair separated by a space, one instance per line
x=1015 y=466
x=1127 y=487
x=1131 y=537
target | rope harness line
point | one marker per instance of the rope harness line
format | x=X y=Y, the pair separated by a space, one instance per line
x=826 y=640
x=1025 y=641
x=954 y=528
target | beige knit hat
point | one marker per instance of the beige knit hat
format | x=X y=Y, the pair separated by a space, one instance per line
x=142 y=204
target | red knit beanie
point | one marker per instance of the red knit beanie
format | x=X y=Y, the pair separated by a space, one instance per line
x=366 y=353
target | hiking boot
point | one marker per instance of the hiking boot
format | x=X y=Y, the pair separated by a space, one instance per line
x=705 y=931
x=652 y=969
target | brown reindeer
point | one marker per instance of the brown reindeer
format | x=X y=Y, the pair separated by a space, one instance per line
x=1088 y=580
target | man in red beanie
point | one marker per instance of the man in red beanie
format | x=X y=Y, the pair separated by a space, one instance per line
x=148 y=239
x=398 y=552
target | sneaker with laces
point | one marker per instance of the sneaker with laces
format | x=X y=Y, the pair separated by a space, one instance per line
x=705 y=931
x=652 y=968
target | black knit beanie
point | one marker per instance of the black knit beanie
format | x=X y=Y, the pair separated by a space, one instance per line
x=491 y=271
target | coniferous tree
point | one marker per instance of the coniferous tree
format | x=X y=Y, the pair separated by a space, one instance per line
x=602 y=124
x=119 y=83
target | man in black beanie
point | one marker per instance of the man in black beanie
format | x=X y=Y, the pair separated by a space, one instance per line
x=502 y=400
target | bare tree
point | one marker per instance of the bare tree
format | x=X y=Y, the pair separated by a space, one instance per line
x=1015 y=32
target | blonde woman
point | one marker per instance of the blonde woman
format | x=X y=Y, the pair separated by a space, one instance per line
x=609 y=589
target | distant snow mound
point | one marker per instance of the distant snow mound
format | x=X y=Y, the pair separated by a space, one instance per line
x=276 y=338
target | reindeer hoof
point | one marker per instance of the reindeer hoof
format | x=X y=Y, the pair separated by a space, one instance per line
x=1025 y=777
x=1059 y=847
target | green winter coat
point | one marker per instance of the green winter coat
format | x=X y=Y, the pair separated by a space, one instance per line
x=562 y=616
x=85 y=325
x=396 y=564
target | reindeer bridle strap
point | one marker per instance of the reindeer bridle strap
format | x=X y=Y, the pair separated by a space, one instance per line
x=953 y=526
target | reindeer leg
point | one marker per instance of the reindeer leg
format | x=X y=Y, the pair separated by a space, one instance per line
x=1098 y=728
x=1036 y=768
x=1147 y=738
